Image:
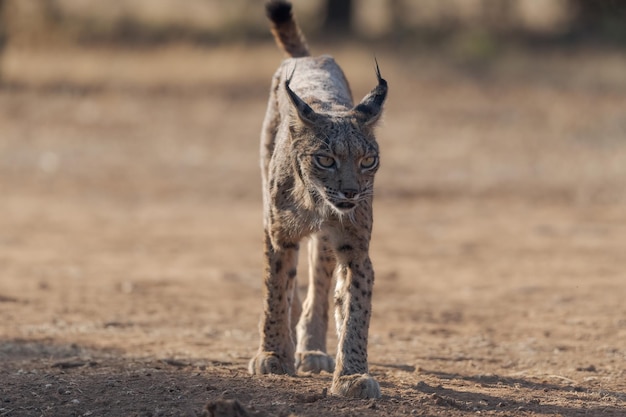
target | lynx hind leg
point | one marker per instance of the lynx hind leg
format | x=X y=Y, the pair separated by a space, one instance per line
x=311 y=353
x=296 y=311
x=276 y=351
x=314 y=361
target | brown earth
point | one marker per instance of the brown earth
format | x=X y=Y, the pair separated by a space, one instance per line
x=130 y=235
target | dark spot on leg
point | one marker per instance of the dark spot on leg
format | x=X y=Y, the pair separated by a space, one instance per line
x=345 y=248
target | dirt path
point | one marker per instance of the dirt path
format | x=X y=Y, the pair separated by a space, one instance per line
x=130 y=232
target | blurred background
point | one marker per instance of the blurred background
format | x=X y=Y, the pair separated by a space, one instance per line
x=509 y=94
x=130 y=201
x=207 y=21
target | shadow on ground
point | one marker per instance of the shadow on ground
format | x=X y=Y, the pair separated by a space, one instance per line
x=47 y=379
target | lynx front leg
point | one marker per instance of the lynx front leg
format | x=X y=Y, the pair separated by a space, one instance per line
x=276 y=352
x=311 y=353
x=353 y=299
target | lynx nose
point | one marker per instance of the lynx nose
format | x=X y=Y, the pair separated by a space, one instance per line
x=350 y=194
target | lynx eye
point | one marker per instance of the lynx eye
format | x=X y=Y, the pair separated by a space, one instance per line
x=369 y=162
x=324 y=161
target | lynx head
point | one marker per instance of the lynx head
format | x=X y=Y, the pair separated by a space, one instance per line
x=336 y=154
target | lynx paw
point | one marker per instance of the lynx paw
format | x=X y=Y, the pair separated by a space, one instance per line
x=356 y=386
x=270 y=363
x=314 y=361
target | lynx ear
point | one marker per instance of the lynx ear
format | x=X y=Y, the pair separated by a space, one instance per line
x=370 y=108
x=305 y=112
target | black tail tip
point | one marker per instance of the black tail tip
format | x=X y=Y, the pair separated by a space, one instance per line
x=278 y=11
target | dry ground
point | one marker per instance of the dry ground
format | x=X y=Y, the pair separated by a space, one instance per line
x=130 y=235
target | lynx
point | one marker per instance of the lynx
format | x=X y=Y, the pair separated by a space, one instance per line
x=319 y=156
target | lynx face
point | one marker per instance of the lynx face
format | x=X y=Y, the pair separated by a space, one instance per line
x=337 y=161
x=337 y=154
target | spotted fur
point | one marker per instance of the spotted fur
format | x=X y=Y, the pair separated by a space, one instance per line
x=319 y=156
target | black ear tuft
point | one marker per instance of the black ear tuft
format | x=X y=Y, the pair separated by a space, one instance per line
x=370 y=108
x=278 y=11
x=305 y=112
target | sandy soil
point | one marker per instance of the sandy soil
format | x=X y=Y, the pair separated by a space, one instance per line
x=130 y=236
